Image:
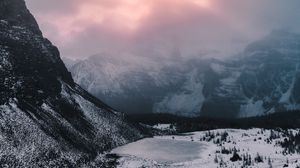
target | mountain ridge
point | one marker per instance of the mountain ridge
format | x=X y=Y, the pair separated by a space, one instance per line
x=207 y=87
x=46 y=118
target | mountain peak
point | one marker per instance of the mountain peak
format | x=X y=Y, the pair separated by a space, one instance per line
x=42 y=110
x=16 y=14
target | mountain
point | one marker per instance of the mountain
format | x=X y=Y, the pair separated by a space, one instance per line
x=69 y=62
x=263 y=79
x=47 y=120
x=132 y=88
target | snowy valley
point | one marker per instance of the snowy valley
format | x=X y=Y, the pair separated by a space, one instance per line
x=253 y=148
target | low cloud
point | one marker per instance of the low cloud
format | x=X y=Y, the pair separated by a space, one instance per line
x=84 y=27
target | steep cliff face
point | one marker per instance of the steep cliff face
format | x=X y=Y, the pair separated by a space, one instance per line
x=46 y=119
x=30 y=63
x=265 y=79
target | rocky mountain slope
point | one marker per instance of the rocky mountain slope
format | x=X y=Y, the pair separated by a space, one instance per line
x=265 y=79
x=262 y=79
x=45 y=118
x=135 y=89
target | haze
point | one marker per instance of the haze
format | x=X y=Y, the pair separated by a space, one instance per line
x=154 y=28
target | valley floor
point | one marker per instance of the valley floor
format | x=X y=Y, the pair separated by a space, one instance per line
x=211 y=149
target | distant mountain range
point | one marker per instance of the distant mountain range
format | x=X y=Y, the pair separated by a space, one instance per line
x=264 y=78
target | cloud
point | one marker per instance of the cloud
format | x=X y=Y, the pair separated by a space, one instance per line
x=84 y=27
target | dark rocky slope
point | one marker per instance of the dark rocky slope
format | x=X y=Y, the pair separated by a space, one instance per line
x=45 y=118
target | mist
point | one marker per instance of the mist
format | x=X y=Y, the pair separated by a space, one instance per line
x=158 y=28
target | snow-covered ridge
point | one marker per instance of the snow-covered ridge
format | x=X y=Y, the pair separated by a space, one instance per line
x=261 y=80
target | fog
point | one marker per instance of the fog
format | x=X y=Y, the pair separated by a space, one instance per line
x=161 y=28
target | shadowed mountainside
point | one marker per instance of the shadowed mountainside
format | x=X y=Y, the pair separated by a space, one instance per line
x=46 y=119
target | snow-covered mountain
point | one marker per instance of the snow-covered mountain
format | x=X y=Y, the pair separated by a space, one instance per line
x=264 y=78
x=47 y=120
x=128 y=86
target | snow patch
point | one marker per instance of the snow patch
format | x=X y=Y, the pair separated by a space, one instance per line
x=186 y=102
x=231 y=80
x=163 y=127
x=219 y=69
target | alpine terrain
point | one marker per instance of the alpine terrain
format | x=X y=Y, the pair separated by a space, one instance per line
x=47 y=120
x=263 y=79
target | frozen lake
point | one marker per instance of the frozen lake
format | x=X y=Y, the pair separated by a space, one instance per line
x=162 y=150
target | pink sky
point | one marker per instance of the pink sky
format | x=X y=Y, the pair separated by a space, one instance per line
x=82 y=28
